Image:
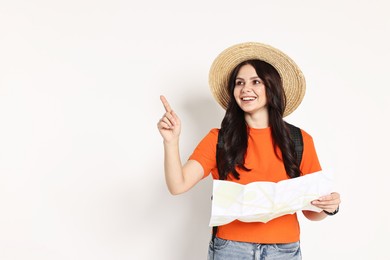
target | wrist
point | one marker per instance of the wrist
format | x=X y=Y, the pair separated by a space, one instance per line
x=332 y=213
x=172 y=142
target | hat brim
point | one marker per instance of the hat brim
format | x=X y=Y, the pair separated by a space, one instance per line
x=293 y=81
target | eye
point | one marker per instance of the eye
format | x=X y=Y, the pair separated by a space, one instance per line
x=239 y=83
x=257 y=82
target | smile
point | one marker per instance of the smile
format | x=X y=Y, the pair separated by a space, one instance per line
x=248 y=98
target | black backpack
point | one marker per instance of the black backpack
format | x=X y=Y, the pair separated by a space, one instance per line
x=296 y=136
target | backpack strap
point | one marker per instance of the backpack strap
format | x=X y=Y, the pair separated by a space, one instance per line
x=296 y=136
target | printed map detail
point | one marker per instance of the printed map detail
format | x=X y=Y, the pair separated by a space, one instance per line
x=263 y=201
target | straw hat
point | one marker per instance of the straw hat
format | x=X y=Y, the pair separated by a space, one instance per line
x=292 y=78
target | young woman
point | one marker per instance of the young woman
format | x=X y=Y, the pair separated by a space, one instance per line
x=258 y=85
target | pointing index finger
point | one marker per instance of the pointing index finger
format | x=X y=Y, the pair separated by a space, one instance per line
x=165 y=103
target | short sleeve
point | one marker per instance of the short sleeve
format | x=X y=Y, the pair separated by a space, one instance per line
x=310 y=162
x=205 y=152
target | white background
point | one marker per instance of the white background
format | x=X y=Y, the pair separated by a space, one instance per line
x=81 y=159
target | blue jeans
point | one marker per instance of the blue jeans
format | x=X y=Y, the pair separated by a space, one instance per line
x=233 y=250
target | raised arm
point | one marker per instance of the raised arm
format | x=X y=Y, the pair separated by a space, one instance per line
x=179 y=178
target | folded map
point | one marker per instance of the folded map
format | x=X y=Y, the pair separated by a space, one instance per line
x=263 y=201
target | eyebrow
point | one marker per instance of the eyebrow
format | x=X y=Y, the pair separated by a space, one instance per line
x=249 y=78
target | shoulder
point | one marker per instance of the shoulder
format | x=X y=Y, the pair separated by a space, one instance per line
x=310 y=162
x=211 y=137
x=306 y=135
x=214 y=131
x=308 y=142
x=212 y=134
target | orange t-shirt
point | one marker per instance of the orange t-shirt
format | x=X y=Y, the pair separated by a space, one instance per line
x=266 y=166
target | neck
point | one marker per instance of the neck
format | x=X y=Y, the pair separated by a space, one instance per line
x=258 y=120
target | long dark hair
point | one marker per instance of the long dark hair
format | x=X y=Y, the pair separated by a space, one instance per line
x=234 y=130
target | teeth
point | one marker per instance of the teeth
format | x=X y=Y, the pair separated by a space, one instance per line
x=248 y=98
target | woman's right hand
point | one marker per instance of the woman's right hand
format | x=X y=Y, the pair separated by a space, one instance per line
x=169 y=125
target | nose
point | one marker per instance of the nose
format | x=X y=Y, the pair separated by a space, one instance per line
x=246 y=88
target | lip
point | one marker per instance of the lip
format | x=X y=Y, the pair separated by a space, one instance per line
x=251 y=98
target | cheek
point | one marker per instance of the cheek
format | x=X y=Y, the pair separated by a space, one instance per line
x=261 y=91
x=236 y=92
x=264 y=94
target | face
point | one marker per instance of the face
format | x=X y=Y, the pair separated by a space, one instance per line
x=249 y=91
